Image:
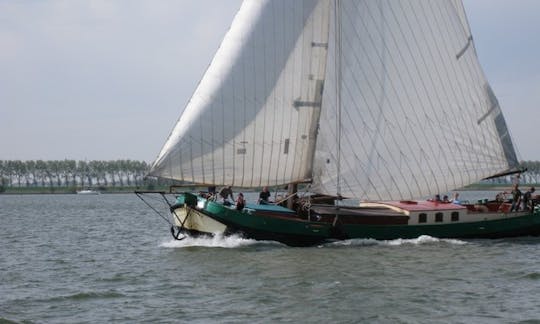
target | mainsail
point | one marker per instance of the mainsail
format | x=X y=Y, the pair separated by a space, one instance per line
x=416 y=115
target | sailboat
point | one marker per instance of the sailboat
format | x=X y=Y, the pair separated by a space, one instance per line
x=376 y=102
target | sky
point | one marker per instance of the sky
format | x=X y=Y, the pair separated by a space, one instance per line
x=108 y=79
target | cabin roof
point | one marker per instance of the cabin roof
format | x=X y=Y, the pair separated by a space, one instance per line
x=421 y=205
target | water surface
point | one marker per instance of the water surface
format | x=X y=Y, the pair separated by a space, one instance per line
x=108 y=258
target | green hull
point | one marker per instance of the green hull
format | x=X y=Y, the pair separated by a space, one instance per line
x=285 y=228
x=507 y=227
x=284 y=225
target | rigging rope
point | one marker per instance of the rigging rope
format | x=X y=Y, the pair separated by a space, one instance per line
x=140 y=195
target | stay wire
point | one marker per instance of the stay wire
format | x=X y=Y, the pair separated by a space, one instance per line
x=154 y=209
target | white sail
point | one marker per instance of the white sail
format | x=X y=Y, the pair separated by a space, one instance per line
x=405 y=110
x=252 y=120
x=417 y=114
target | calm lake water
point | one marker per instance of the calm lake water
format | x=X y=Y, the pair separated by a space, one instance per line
x=108 y=258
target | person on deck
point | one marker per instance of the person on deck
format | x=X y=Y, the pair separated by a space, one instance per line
x=456 y=200
x=225 y=192
x=527 y=199
x=264 y=196
x=211 y=194
x=516 y=197
x=240 y=201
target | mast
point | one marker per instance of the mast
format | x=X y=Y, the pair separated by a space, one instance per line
x=337 y=62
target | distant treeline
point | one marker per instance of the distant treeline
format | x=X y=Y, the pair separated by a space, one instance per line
x=71 y=173
x=532 y=175
x=127 y=173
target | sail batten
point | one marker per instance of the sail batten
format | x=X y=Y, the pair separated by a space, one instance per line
x=381 y=100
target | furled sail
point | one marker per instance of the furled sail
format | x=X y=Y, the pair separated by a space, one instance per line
x=252 y=120
x=417 y=116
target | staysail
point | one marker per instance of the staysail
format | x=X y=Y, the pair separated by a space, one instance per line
x=416 y=115
x=252 y=120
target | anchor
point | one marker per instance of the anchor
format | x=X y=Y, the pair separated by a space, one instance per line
x=177 y=234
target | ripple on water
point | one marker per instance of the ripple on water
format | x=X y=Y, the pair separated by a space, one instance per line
x=86 y=295
x=104 y=259
x=532 y=276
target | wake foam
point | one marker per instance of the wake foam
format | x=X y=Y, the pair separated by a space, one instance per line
x=421 y=240
x=235 y=241
x=424 y=239
x=218 y=240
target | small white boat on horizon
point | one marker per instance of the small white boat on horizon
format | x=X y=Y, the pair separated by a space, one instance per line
x=88 y=192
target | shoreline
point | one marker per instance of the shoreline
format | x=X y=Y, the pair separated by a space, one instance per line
x=69 y=191
x=129 y=190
